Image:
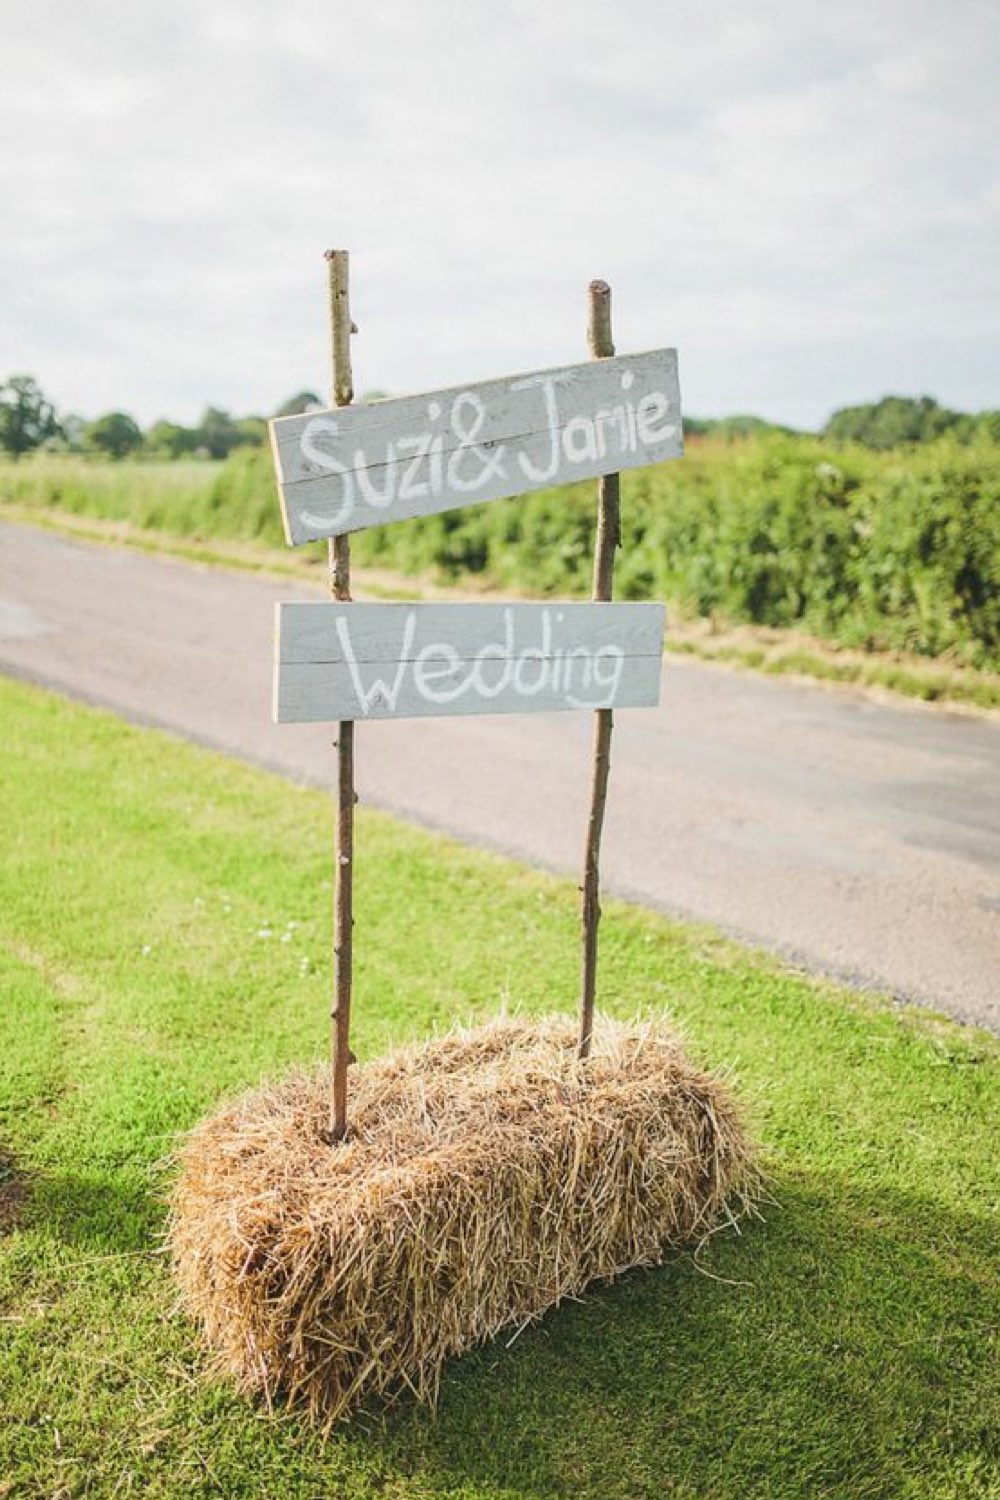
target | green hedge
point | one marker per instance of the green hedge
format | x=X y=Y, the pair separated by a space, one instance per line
x=184 y=497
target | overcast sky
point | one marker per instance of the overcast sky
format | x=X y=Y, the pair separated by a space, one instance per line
x=803 y=197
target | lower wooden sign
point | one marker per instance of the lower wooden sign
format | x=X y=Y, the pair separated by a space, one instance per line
x=397 y=661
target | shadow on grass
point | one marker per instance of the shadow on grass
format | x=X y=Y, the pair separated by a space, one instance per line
x=861 y=1361
x=106 y=1213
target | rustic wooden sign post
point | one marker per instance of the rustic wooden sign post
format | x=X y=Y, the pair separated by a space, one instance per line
x=341 y=328
x=608 y=538
x=353 y=467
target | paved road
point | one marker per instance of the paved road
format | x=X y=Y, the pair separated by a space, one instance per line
x=860 y=838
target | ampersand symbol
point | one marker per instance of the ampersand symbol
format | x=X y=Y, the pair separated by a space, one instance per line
x=467 y=429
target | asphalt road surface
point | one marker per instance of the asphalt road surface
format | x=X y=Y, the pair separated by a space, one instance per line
x=859 y=838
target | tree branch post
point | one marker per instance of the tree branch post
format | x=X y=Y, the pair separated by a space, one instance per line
x=607 y=539
x=341 y=329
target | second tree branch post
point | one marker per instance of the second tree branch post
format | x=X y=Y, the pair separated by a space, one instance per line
x=341 y=329
x=608 y=538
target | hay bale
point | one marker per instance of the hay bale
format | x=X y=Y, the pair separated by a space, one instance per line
x=487 y=1176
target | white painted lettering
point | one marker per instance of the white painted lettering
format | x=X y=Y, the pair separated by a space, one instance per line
x=380 y=693
x=539 y=654
x=579 y=440
x=652 y=409
x=317 y=521
x=381 y=499
x=576 y=654
x=609 y=681
x=583 y=677
x=411 y=488
x=497 y=652
x=436 y=464
x=467 y=430
x=549 y=470
x=424 y=678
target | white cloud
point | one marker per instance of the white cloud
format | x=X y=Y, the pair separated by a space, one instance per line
x=804 y=198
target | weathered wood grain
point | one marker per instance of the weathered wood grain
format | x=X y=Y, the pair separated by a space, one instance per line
x=393 y=661
x=349 y=468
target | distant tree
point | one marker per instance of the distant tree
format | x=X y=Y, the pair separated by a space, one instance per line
x=218 y=433
x=300 y=402
x=115 y=434
x=68 y=438
x=170 y=439
x=892 y=422
x=27 y=419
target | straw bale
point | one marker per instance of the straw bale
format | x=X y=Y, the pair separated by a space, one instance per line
x=487 y=1175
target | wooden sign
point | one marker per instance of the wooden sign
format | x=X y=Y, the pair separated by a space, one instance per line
x=393 y=661
x=352 y=467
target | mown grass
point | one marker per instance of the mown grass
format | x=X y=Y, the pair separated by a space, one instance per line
x=164 y=931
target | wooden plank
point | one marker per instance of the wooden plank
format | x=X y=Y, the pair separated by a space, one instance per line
x=394 y=661
x=349 y=468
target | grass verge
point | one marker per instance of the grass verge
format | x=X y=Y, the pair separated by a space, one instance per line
x=761 y=648
x=164 y=938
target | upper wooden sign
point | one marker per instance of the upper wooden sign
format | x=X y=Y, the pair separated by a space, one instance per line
x=357 y=466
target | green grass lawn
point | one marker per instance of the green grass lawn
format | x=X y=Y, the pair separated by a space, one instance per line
x=164 y=931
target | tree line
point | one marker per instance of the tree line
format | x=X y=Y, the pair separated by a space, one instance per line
x=29 y=421
x=892 y=422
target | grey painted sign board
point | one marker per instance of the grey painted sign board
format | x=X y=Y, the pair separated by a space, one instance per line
x=357 y=466
x=393 y=661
